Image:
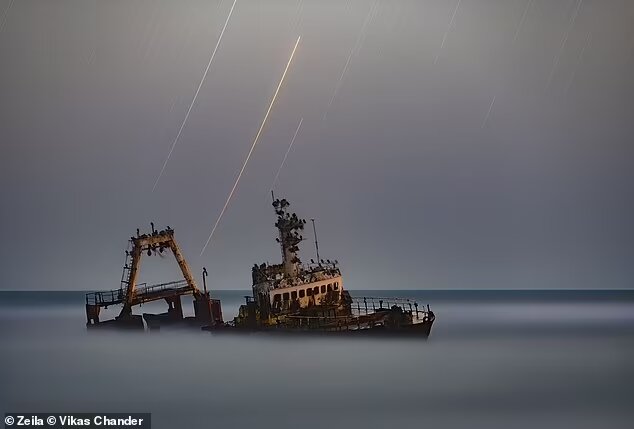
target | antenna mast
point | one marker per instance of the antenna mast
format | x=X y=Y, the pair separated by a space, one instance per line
x=316 y=244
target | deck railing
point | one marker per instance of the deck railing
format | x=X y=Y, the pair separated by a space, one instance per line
x=365 y=305
x=142 y=293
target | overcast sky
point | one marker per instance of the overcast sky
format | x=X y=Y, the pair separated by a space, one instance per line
x=489 y=145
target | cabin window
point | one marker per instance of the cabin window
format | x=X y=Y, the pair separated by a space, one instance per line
x=309 y=292
x=302 y=293
x=329 y=287
x=277 y=297
x=336 y=286
x=294 y=295
x=323 y=288
x=286 y=296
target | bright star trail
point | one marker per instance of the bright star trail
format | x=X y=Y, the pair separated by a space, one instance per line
x=519 y=26
x=255 y=142
x=334 y=94
x=364 y=30
x=442 y=44
x=286 y=154
x=213 y=54
x=299 y=15
x=529 y=3
x=355 y=48
x=563 y=43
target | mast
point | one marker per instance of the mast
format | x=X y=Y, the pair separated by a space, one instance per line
x=316 y=244
x=288 y=226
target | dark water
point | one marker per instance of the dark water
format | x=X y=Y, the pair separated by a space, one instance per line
x=495 y=359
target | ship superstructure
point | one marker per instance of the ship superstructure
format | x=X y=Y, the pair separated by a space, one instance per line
x=311 y=296
x=292 y=287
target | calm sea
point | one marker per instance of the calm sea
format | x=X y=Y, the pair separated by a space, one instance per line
x=495 y=359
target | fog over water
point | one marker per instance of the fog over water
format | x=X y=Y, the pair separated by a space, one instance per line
x=494 y=360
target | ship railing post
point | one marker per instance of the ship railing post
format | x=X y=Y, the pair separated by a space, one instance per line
x=365 y=303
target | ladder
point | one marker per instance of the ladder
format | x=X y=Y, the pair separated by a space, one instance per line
x=127 y=268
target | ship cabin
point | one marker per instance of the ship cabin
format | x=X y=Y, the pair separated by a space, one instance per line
x=313 y=285
x=292 y=286
x=306 y=295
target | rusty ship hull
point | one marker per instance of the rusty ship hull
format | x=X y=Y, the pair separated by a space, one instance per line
x=420 y=330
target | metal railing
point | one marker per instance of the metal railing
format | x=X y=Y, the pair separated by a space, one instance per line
x=367 y=305
x=142 y=293
x=177 y=284
x=105 y=298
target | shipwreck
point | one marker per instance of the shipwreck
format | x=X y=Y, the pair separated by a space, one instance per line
x=289 y=297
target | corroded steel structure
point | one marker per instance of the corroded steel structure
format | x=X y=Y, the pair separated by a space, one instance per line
x=130 y=293
x=294 y=296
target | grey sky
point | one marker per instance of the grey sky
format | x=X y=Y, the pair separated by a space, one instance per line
x=408 y=187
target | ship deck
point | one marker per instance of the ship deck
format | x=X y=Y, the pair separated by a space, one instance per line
x=142 y=294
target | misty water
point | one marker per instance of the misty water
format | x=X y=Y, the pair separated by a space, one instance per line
x=494 y=359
